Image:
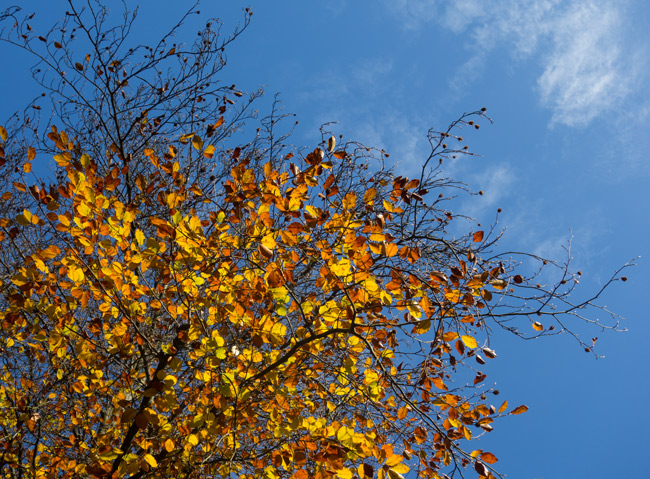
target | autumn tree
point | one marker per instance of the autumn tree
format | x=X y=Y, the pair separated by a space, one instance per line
x=183 y=300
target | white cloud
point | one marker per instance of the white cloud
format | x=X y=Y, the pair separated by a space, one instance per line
x=586 y=74
x=586 y=63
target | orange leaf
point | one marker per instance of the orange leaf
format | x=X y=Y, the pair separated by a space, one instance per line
x=519 y=410
x=169 y=445
x=489 y=457
x=478 y=237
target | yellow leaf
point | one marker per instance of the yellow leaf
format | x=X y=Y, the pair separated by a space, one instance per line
x=139 y=237
x=197 y=142
x=414 y=308
x=340 y=268
x=503 y=407
x=469 y=341
x=209 y=151
x=394 y=460
x=401 y=468
x=344 y=473
x=369 y=196
x=349 y=201
x=3 y=133
x=537 y=326
x=151 y=460
x=62 y=159
x=193 y=439
x=27 y=167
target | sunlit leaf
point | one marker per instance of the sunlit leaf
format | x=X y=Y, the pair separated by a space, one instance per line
x=469 y=341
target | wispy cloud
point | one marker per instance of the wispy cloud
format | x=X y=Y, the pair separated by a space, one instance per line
x=586 y=73
x=587 y=63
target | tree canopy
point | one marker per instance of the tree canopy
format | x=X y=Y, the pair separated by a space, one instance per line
x=189 y=295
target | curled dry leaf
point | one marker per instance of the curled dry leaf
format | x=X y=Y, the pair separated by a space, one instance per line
x=331 y=143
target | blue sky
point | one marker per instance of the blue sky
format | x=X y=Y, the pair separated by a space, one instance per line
x=566 y=83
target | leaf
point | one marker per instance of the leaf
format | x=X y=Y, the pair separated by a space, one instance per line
x=489 y=457
x=331 y=143
x=31 y=153
x=469 y=341
x=197 y=142
x=365 y=471
x=62 y=159
x=481 y=468
x=503 y=407
x=478 y=237
x=149 y=459
x=209 y=151
x=537 y=326
x=340 y=155
x=519 y=410
x=449 y=336
x=344 y=473
x=265 y=251
x=169 y=445
x=414 y=309
x=192 y=439
x=3 y=133
x=57 y=45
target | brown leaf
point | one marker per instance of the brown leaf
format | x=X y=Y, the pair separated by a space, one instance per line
x=519 y=410
x=481 y=468
x=266 y=252
x=489 y=353
x=478 y=237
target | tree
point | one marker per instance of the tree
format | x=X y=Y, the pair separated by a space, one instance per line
x=181 y=302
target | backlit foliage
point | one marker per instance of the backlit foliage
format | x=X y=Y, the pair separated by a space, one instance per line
x=294 y=316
